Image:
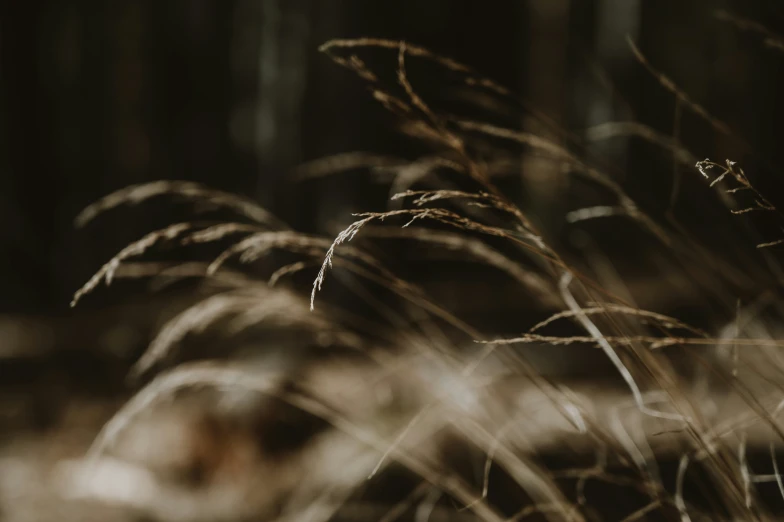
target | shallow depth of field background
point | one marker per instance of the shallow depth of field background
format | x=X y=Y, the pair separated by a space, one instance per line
x=95 y=96
x=235 y=94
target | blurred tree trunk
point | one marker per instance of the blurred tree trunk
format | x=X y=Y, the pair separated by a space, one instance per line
x=610 y=59
x=546 y=90
x=270 y=51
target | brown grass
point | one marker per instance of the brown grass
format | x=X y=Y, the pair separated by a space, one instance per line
x=419 y=386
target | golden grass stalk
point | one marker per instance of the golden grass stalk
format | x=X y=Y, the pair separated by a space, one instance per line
x=256 y=299
x=189 y=190
x=137 y=248
x=537 y=285
x=682 y=97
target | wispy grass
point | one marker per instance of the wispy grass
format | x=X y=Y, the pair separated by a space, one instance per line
x=425 y=388
x=187 y=190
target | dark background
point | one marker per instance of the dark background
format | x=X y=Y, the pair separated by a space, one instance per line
x=95 y=96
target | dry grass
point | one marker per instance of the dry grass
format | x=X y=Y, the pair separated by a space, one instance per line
x=186 y=190
x=419 y=387
x=770 y=39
